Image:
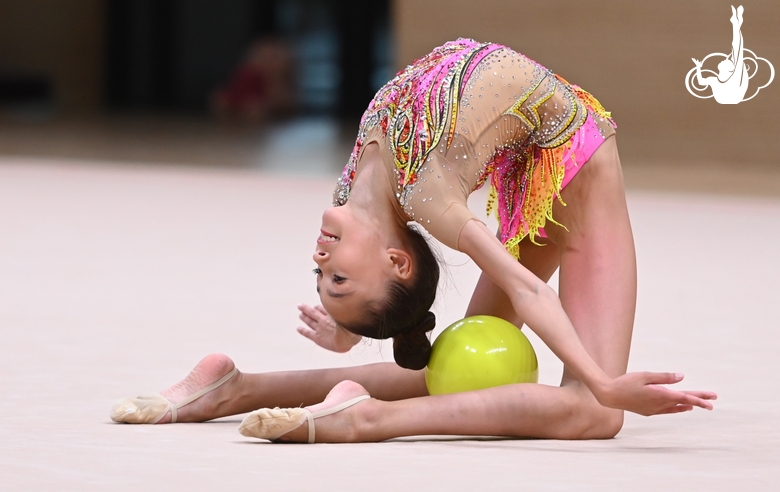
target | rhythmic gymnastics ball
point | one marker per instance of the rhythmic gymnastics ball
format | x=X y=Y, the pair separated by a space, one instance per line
x=480 y=352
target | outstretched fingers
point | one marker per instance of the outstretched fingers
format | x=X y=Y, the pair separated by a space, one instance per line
x=646 y=393
x=312 y=315
x=704 y=395
x=690 y=398
x=316 y=319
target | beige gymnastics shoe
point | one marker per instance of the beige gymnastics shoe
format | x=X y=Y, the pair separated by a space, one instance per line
x=150 y=409
x=273 y=423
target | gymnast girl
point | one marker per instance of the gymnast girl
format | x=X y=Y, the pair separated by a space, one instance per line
x=463 y=115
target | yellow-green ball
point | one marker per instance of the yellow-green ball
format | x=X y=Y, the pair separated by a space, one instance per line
x=480 y=352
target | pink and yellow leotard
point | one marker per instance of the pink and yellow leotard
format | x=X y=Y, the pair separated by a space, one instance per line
x=470 y=112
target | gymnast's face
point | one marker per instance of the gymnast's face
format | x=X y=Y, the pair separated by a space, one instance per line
x=355 y=263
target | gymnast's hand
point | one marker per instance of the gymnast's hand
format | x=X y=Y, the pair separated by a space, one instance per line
x=639 y=392
x=322 y=330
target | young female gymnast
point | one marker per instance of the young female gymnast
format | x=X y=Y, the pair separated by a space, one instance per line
x=466 y=113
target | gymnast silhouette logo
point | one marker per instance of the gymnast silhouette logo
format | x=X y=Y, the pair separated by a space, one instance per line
x=735 y=70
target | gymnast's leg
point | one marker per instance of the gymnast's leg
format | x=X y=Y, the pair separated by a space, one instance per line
x=597 y=251
x=245 y=392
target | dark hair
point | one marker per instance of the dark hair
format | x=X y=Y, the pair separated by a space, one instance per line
x=404 y=314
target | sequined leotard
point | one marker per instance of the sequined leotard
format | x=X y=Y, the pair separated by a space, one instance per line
x=469 y=112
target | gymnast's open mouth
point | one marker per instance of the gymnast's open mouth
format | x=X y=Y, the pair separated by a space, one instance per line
x=326 y=237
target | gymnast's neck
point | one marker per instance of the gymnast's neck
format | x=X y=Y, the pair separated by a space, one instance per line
x=373 y=191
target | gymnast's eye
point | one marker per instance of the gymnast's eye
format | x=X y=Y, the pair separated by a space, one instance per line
x=317 y=271
x=338 y=280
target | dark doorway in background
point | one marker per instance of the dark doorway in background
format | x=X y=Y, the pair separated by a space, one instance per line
x=171 y=54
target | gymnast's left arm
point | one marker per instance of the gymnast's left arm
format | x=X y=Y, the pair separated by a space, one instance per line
x=538 y=305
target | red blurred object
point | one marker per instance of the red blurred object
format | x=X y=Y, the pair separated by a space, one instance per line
x=260 y=87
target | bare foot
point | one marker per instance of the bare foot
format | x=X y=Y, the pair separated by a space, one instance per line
x=338 y=427
x=210 y=369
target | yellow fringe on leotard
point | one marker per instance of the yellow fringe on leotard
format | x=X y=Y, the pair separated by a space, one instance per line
x=542 y=183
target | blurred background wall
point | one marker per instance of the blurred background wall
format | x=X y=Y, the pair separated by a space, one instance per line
x=53 y=49
x=196 y=60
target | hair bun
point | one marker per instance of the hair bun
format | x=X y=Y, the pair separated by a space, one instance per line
x=412 y=348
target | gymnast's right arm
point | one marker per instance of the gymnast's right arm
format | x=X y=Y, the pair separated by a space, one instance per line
x=538 y=305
